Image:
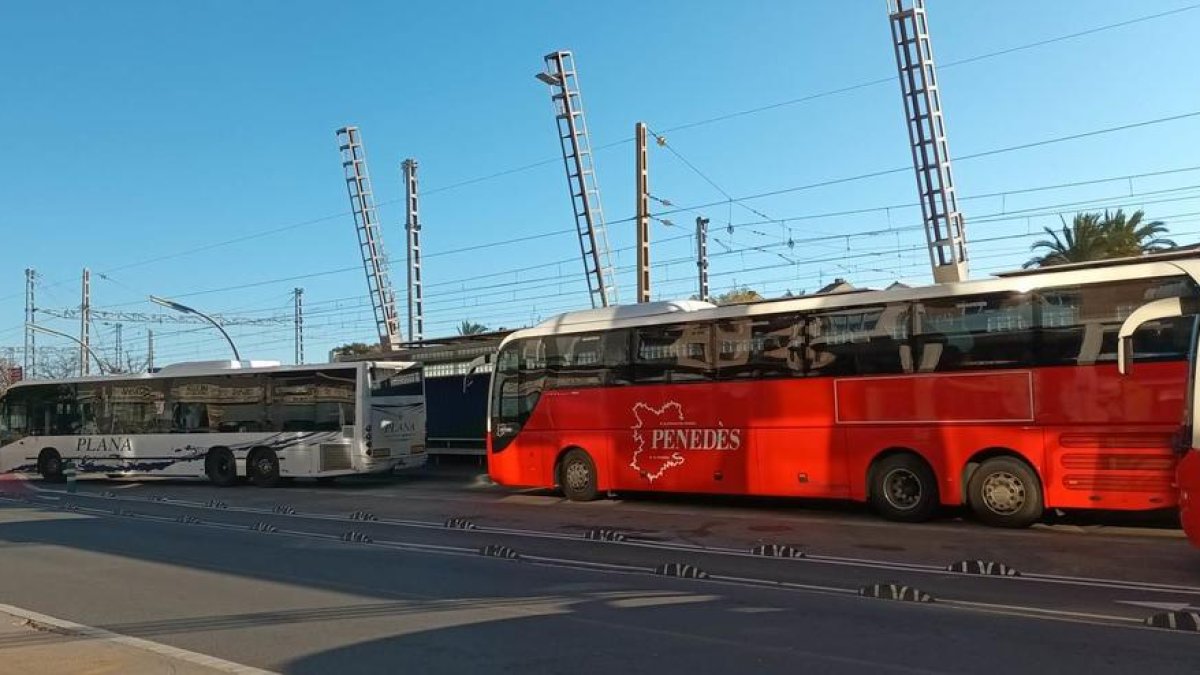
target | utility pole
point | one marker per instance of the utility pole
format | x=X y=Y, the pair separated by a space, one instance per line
x=370 y=240
x=149 y=350
x=576 y=145
x=30 y=319
x=412 y=226
x=643 y=213
x=298 y=295
x=927 y=135
x=85 y=322
x=120 y=355
x=702 y=255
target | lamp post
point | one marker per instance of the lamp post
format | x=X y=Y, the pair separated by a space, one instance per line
x=104 y=367
x=171 y=304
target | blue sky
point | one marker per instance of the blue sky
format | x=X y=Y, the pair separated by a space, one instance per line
x=140 y=136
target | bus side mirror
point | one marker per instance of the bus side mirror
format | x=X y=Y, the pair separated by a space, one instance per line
x=1125 y=354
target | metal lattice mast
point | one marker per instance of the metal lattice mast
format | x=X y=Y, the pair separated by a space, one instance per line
x=30 y=370
x=370 y=240
x=149 y=351
x=576 y=146
x=927 y=135
x=298 y=323
x=85 y=322
x=702 y=255
x=412 y=227
x=119 y=347
x=642 y=178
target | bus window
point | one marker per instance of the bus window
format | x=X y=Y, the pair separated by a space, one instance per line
x=1078 y=324
x=14 y=419
x=981 y=331
x=859 y=341
x=759 y=347
x=532 y=376
x=587 y=359
x=672 y=353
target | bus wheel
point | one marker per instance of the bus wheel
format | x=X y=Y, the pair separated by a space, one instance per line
x=577 y=476
x=50 y=465
x=263 y=467
x=1005 y=492
x=221 y=467
x=904 y=488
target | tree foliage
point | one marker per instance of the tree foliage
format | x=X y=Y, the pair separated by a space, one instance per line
x=468 y=327
x=1096 y=236
x=737 y=295
x=353 y=349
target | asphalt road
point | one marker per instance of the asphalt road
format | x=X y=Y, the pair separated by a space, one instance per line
x=266 y=578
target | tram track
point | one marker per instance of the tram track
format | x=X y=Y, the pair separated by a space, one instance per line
x=634 y=540
x=1055 y=597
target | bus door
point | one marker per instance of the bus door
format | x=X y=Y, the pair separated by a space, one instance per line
x=1187 y=476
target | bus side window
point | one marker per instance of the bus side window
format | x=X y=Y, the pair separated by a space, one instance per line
x=1078 y=324
x=982 y=331
x=759 y=347
x=871 y=340
x=673 y=353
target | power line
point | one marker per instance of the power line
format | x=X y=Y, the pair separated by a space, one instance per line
x=679 y=127
x=841 y=90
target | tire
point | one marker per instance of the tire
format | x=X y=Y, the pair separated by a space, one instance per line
x=904 y=488
x=50 y=465
x=1006 y=492
x=577 y=476
x=221 y=467
x=263 y=467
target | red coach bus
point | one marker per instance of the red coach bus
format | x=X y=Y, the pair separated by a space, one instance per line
x=1003 y=394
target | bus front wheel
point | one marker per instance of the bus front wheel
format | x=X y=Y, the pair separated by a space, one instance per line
x=50 y=465
x=221 y=467
x=1005 y=492
x=904 y=488
x=577 y=476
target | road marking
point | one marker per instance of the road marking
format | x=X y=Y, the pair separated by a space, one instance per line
x=1052 y=579
x=1165 y=606
x=79 y=630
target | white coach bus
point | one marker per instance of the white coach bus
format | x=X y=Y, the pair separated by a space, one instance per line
x=224 y=420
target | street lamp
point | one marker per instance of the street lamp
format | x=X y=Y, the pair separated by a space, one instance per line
x=50 y=331
x=171 y=304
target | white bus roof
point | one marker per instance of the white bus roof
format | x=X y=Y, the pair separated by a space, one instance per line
x=1148 y=266
x=203 y=368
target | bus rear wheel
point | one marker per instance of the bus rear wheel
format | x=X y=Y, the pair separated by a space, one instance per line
x=903 y=488
x=263 y=467
x=50 y=465
x=221 y=467
x=577 y=476
x=1005 y=492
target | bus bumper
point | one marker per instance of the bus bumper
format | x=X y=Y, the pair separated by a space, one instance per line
x=1188 y=478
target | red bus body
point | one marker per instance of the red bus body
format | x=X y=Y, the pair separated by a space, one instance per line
x=817 y=437
x=818 y=396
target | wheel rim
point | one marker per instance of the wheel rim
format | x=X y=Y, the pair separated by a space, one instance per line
x=265 y=466
x=577 y=476
x=1003 y=493
x=224 y=464
x=902 y=489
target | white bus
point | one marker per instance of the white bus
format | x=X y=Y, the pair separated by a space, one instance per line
x=224 y=420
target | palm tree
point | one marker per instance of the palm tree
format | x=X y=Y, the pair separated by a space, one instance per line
x=1082 y=240
x=468 y=327
x=1129 y=237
